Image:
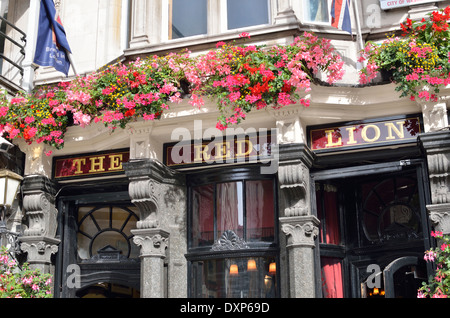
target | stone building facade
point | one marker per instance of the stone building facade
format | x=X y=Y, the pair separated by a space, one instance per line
x=141 y=230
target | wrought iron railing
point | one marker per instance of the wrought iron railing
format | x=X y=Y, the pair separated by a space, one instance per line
x=14 y=42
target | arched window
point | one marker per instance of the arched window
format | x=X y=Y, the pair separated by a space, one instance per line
x=106 y=228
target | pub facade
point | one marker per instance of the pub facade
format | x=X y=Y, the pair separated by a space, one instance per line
x=335 y=200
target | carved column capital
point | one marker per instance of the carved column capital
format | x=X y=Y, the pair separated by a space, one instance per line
x=300 y=231
x=39 y=250
x=440 y=217
x=153 y=242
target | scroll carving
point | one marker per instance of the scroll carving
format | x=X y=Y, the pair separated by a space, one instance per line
x=144 y=195
x=294 y=189
x=41 y=214
x=439 y=168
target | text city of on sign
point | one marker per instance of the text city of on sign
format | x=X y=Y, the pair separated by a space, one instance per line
x=364 y=134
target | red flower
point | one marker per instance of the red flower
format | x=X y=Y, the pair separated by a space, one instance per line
x=130 y=112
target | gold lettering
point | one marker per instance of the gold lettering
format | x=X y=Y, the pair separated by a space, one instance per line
x=223 y=150
x=364 y=133
x=115 y=162
x=330 y=142
x=201 y=152
x=351 y=136
x=97 y=166
x=398 y=131
x=241 y=148
x=78 y=163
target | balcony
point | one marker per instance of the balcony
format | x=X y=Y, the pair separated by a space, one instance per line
x=12 y=53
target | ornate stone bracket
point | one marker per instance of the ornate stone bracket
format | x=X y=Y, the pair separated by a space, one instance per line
x=39 y=206
x=293 y=177
x=146 y=177
x=437 y=147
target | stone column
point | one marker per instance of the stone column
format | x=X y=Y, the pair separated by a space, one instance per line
x=152 y=189
x=300 y=227
x=38 y=239
x=285 y=13
x=436 y=145
x=145 y=30
x=301 y=232
x=153 y=243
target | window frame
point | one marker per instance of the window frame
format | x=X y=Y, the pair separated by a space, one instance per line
x=301 y=7
x=218 y=176
x=252 y=249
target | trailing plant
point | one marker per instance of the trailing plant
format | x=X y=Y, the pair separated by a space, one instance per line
x=240 y=78
x=438 y=285
x=419 y=60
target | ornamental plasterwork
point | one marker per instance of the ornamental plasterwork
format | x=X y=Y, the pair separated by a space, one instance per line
x=229 y=241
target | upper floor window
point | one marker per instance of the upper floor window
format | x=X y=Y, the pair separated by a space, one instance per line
x=247 y=13
x=316 y=10
x=187 y=18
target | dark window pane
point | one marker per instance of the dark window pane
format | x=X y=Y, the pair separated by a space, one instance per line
x=202 y=216
x=246 y=13
x=188 y=18
x=254 y=277
x=230 y=208
x=260 y=205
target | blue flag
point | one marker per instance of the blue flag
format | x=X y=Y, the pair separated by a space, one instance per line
x=52 y=48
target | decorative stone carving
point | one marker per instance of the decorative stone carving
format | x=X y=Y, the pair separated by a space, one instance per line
x=40 y=250
x=152 y=242
x=293 y=180
x=39 y=207
x=301 y=231
x=229 y=241
x=146 y=177
x=437 y=147
x=144 y=196
x=440 y=217
x=434 y=115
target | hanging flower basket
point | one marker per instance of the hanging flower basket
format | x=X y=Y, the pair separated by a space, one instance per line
x=418 y=59
x=240 y=78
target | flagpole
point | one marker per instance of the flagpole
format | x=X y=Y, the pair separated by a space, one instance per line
x=71 y=63
x=359 y=37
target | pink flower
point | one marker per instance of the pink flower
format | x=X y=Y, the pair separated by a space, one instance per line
x=35 y=287
x=4 y=111
x=196 y=101
x=244 y=35
x=29 y=120
x=220 y=43
x=149 y=117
